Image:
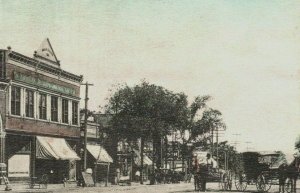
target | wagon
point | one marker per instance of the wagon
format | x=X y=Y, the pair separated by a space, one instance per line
x=213 y=173
x=257 y=168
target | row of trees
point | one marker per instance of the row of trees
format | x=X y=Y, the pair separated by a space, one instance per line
x=148 y=112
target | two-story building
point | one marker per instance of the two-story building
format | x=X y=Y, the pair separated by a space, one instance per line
x=39 y=108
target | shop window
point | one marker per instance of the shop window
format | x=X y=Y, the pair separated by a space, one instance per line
x=54 y=111
x=29 y=104
x=43 y=106
x=15 y=100
x=65 y=110
x=75 y=113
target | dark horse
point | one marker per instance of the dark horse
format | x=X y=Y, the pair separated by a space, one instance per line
x=200 y=172
x=288 y=175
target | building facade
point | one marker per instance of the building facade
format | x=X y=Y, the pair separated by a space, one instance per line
x=39 y=108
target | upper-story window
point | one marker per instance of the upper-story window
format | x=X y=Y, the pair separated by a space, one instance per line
x=75 y=113
x=54 y=111
x=2 y=65
x=43 y=106
x=15 y=100
x=65 y=111
x=29 y=104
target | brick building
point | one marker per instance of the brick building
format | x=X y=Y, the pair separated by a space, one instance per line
x=39 y=108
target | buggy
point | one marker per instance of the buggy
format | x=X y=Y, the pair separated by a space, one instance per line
x=257 y=168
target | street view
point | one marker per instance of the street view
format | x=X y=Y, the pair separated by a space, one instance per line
x=150 y=96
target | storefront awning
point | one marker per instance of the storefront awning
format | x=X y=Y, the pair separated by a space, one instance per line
x=137 y=159
x=54 y=148
x=99 y=153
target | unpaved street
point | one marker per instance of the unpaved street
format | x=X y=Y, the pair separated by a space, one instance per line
x=163 y=188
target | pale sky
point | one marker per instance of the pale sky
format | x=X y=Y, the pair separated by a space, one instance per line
x=245 y=54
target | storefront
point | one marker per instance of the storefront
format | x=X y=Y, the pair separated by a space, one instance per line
x=99 y=161
x=39 y=103
x=56 y=158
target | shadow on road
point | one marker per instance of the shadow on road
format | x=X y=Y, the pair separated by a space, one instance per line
x=212 y=190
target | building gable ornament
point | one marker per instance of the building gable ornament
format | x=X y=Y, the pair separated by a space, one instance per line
x=46 y=53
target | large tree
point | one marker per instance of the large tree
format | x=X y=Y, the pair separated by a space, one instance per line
x=297 y=143
x=201 y=130
x=147 y=112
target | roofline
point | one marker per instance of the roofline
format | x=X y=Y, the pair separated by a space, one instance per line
x=38 y=64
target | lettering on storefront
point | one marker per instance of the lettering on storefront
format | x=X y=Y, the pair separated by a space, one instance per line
x=42 y=83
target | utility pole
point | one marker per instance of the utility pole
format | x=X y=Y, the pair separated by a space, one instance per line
x=217 y=140
x=85 y=123
x=248 y=142
x=212 y=141
x=236 y=141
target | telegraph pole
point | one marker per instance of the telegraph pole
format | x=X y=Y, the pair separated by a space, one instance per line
x=217 y=140
x=248 y=142
x=85 y=123
x=236 y=141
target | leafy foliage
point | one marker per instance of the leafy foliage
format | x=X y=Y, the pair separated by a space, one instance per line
x=211 y=120
x=146 y=110
x=297 y=143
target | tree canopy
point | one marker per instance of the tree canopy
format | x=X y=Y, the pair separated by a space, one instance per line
x=146 y=110
x=297 y=143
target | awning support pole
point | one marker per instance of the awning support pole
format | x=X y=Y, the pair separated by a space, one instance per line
x=107 y=175
x=32 y=157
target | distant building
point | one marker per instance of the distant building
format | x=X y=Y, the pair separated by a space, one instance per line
x=39 y=106
x=98 y=160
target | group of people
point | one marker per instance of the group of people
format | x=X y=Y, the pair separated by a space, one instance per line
x=167 y=176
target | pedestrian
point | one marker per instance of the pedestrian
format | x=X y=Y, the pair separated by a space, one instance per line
x=118 y=175
x=137 y=175
x=282 y=171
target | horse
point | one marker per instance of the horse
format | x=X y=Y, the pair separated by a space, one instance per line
x=195 y=171
x=288 y=175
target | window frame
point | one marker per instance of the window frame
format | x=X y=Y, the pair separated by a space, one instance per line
x=42 y=109
x=65 y=110
x=75 y=112
x=29 y=103
x=15 y=101
x=54 y=109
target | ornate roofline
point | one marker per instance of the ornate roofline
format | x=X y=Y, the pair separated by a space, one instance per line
x=43 y=66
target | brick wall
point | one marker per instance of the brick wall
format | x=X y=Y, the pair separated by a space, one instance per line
x=40 y=127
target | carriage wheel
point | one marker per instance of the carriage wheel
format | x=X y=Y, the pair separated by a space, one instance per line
x=240 y=182
x=226 y=182
x=44 y=181
x=288 y=185
x=262 y=183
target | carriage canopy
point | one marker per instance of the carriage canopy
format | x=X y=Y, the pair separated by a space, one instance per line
x=202 y=158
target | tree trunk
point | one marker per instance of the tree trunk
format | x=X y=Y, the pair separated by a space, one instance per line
x=142 y=160
x=183 y=154
x=166 y=151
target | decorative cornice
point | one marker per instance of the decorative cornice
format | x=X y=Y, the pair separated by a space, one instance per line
x=44 y=67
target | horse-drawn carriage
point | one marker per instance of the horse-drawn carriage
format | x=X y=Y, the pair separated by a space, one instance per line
x=206 y=168
x=264 y=170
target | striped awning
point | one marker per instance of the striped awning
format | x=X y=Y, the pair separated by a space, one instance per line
x=137 y=158
x=99 y=153
x=54 y=148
